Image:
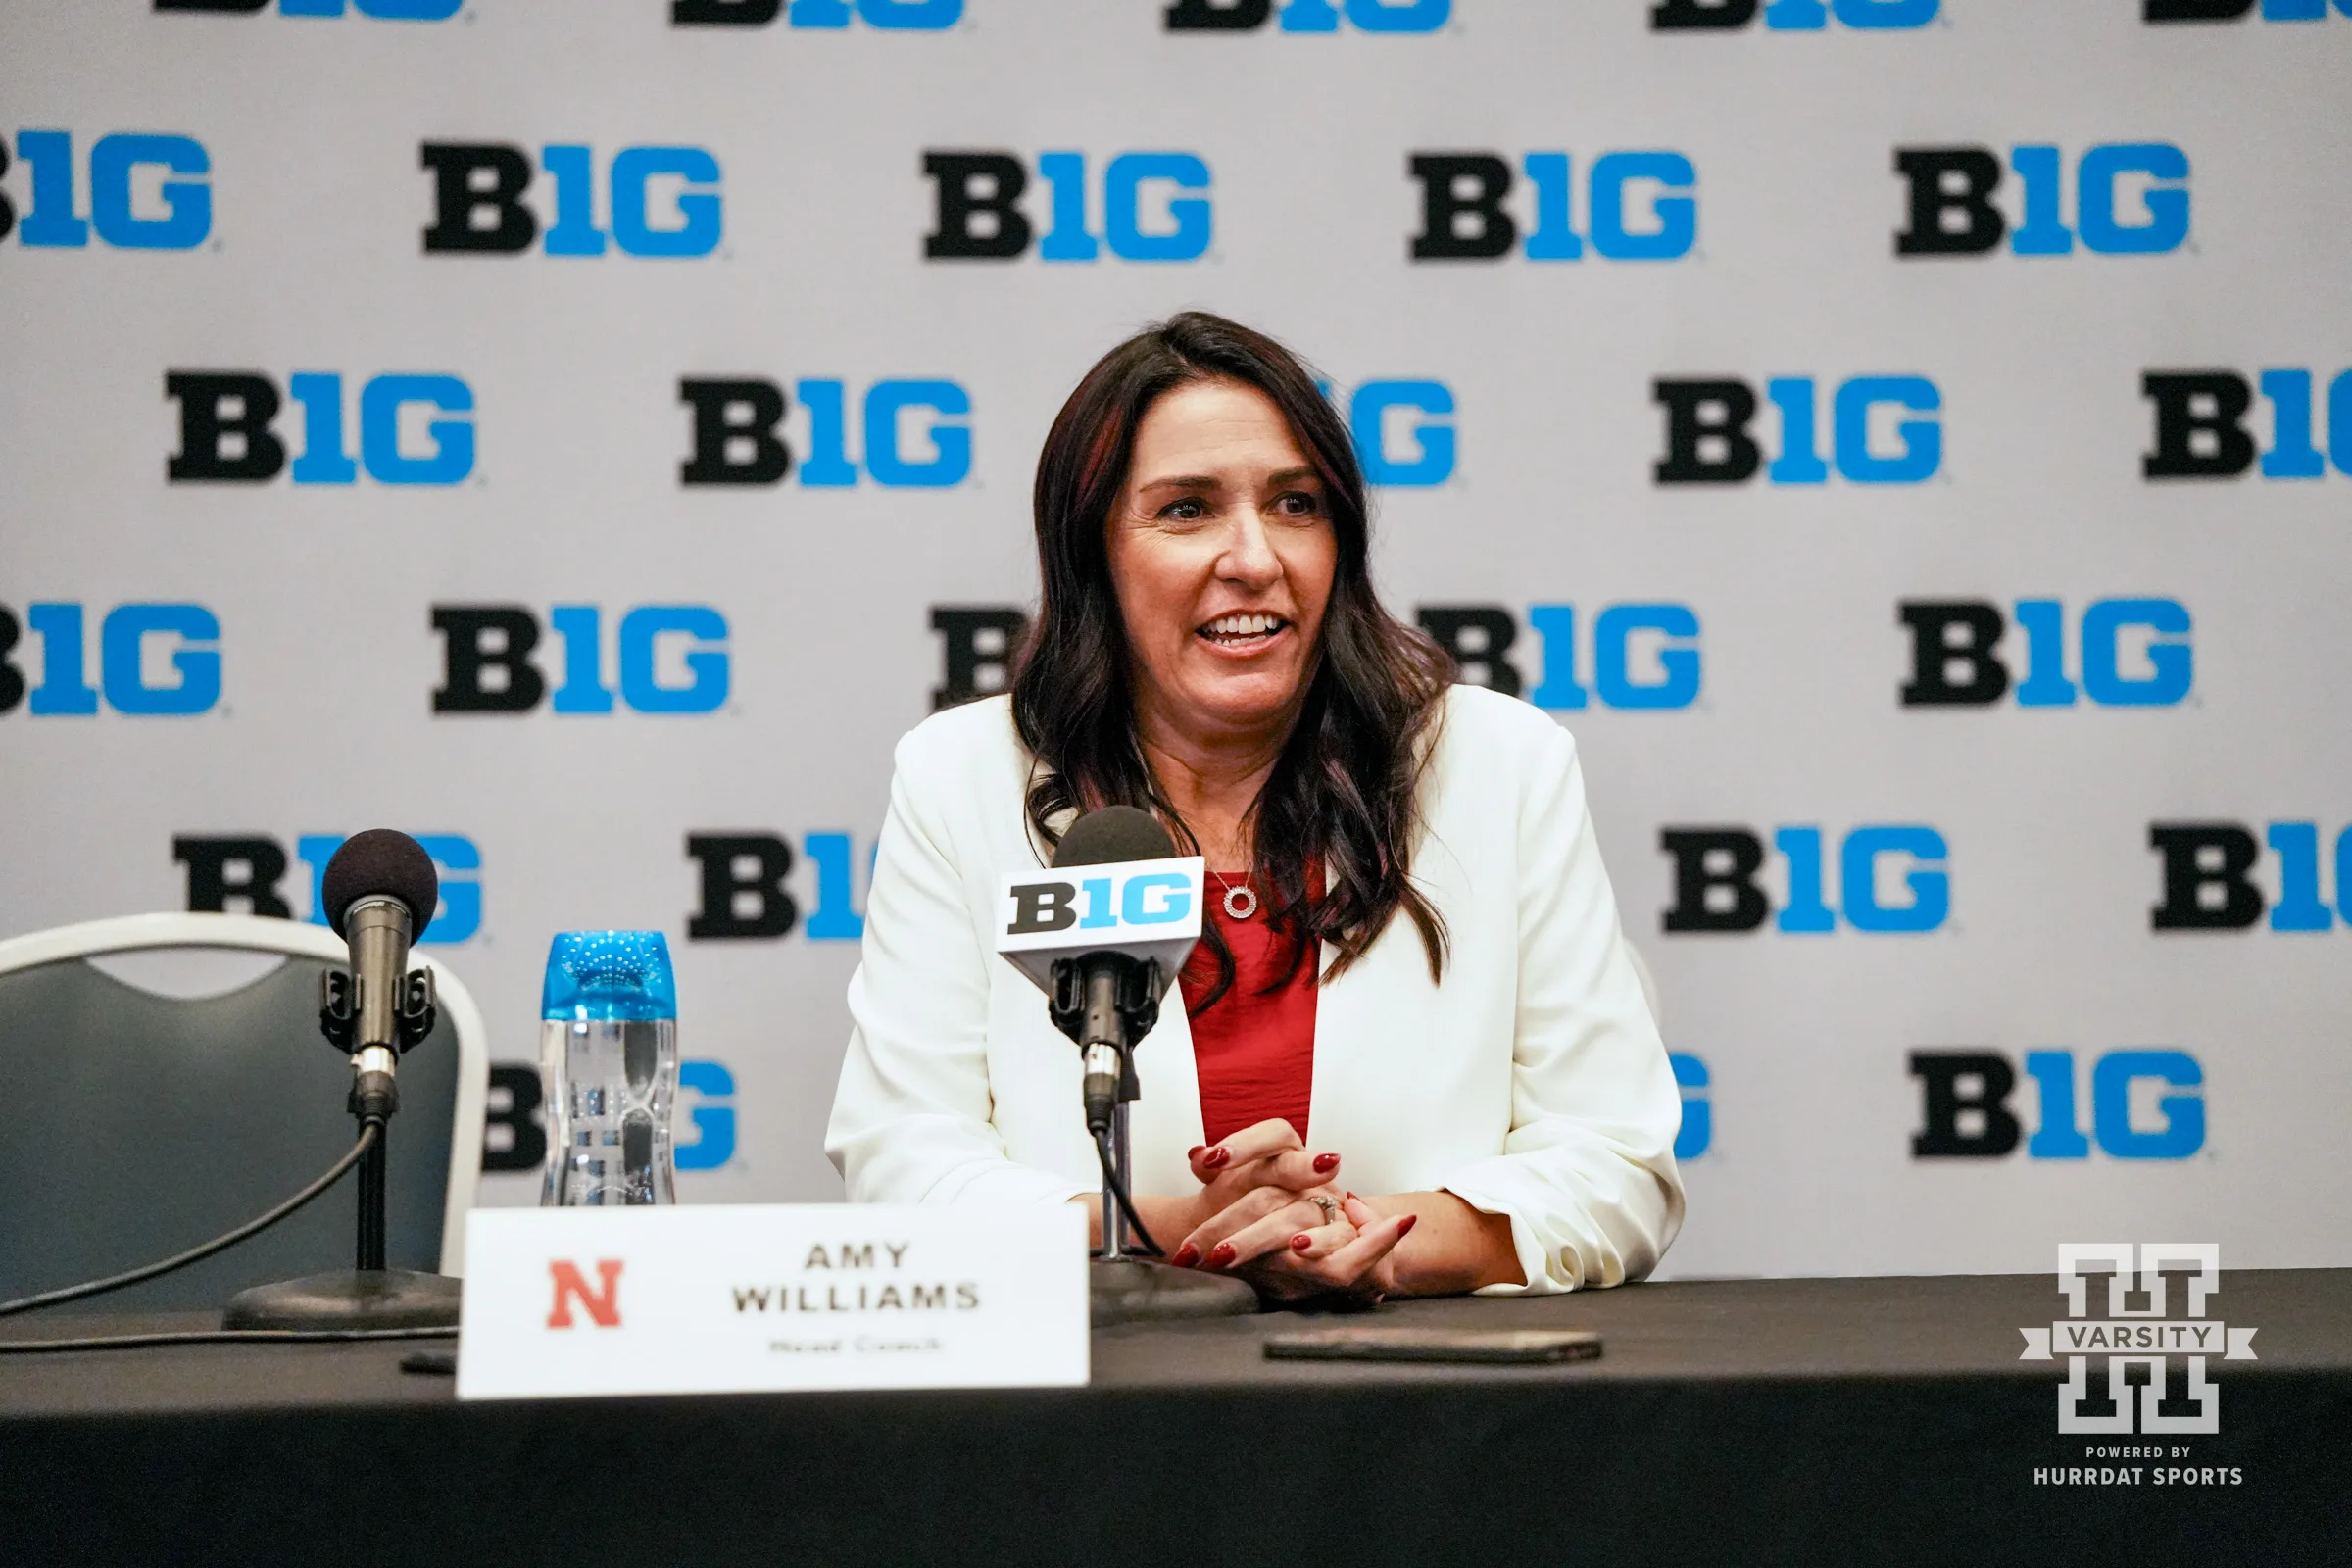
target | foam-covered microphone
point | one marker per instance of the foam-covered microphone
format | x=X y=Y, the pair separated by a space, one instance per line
x=1101 y=934
x=380 y=892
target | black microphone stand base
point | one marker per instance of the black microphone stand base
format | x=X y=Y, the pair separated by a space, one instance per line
x=1135 y=1289
x=349 y=1298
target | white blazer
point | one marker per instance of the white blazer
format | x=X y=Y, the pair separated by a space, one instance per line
x=1530 y=1083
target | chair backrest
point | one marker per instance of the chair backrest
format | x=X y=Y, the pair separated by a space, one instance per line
x=142 y=1123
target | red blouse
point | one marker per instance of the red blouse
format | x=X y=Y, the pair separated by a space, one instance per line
x=1255 y=1050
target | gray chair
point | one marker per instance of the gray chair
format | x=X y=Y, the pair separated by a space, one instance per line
x=148 y=1109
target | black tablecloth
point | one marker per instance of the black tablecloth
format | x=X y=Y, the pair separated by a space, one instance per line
x=1798 y=1421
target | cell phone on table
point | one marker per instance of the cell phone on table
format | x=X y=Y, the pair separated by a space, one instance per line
x=1480 y=1347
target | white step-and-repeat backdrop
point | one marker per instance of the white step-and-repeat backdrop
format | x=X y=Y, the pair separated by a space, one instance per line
x=1909 y=442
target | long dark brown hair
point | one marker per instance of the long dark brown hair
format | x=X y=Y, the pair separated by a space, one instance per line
x=1343 y=794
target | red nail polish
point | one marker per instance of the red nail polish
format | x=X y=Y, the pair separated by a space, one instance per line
x=1353 y=1198
x=1325 y=1164
x=1217 y=1159
x=1186 y=1255
x=1405 y=1225
x=1301 y=1242
x=1222 y=1254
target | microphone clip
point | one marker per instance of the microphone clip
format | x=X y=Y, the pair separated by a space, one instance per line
x=413 y=1016
x=1136 y=987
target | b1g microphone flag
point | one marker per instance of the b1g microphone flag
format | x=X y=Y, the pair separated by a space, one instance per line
x=1144 y=906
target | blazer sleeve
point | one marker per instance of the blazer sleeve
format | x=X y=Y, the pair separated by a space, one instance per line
x=1586 y=1174
x=911 y=1119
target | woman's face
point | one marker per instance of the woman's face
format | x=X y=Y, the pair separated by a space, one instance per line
x=1221 y=553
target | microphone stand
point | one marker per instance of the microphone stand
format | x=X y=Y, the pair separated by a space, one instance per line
x=1105 y=1003
x=369 y=1295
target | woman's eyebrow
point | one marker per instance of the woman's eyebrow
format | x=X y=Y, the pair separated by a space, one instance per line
x=1183 y=481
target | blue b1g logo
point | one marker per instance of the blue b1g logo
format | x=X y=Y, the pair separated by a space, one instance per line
x=710 y=1111
x=2144 y=1104
x=669 y=658
x=152 y=659
x=1793 y=15
x=740 y=439
x=176 y=216
x=1638 y=207
x=1643 y=656
x=1403 y=431
x=454 y=857
x=655 y=201
x=1892 y=879
x=225 y=869
x=887 y=16
x=1883 y=429
x=1154 y=207
x=745 y=895
x=383 y=10
x=2131 y=653
x=2160 y=11
x=1308 y=15
x=1698 y=1130
x=2201 y=431
x=415 y=429
x=2131 y=199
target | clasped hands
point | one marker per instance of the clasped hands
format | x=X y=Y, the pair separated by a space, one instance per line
x=1257 y=1215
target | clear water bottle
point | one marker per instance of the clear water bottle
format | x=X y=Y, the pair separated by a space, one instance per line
x=608 y=1051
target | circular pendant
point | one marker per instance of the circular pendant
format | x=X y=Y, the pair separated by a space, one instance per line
x=1240 y=902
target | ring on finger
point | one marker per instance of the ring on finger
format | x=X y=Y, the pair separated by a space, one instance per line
x=1328 y=1205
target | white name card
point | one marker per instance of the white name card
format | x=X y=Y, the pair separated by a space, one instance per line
x=759 y=1298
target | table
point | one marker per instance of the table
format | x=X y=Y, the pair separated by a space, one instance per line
x=1728 y=1422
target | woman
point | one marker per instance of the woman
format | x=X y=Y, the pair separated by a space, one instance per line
x=1412 y=984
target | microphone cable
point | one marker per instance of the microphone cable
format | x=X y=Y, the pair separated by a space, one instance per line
x=1118 y=1191
x=368 y=1134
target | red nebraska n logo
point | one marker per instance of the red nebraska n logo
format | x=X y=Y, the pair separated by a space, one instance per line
x=603 y=1305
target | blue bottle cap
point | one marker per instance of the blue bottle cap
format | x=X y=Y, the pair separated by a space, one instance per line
x=609 y=974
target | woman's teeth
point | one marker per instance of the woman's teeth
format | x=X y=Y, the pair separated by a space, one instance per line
x=1234 y=630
